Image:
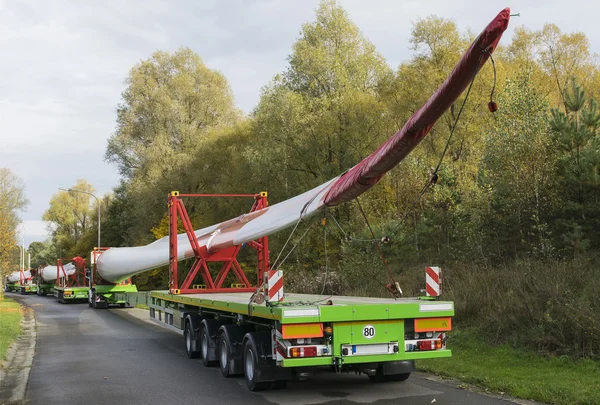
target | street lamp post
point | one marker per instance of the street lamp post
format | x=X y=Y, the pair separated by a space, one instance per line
x=97 y=203
x=20 y=257
x=23 y=252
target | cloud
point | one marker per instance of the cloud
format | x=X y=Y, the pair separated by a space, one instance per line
x=64 y=63
x=34 y=230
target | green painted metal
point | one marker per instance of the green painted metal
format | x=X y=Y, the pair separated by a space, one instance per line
x=76 y=293
x=28 y=288
x=45 y=289
x=115 y=293
x=327 y=360
x=344 y=309
x=349 y=316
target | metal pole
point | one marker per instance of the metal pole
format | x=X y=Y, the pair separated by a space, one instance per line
x=23 y=252
x=97 y=203
x=28 y=261
x=20 y=256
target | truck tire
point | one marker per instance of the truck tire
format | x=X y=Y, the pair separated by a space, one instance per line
x=251 y=367
x=190 y=342
x=205 y=343
x=224 y=354
x=91 y=298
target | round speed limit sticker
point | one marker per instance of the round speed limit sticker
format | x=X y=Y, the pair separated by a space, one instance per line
x=369 y=332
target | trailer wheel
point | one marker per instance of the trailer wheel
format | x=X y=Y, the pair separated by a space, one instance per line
x=189 y=342
x=251 y=368
x=204 y=343
x=224 y=355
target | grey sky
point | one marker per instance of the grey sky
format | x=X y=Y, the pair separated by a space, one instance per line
x=64 y=62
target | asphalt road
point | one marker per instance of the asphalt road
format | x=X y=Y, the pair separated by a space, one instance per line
x=118 y=357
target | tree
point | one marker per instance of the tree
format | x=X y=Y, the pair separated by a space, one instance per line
x=576 y=134
x=12 y=200
x=320 y=116
x=170 y=103
x=517 y=170
x=71 y=216
x=42 y=254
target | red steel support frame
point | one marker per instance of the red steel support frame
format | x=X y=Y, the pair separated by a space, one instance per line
x=227 y=256
x=76 y=279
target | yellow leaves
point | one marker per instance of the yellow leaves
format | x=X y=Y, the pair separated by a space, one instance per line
x=12 y=200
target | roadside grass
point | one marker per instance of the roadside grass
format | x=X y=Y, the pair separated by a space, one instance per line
x=519 y=373
x=142 y=306
x=10 y=324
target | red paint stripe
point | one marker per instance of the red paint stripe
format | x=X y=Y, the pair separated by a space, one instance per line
x=275 y=289
x=272 y=274
x=433 y=275
x=282 y=350
x=430 y=291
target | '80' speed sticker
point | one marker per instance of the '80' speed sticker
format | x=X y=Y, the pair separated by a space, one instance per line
x=368 y=332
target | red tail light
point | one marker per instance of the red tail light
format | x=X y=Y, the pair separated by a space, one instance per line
x=430 y=344
x=304 y=351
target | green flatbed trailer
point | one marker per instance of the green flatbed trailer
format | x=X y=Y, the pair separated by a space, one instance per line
x=12 y=287
x=273 y=344
x=101 y=296
x=71 y=294
x=44 y=289
x=27 y=289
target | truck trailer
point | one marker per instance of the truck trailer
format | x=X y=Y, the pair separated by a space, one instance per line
x=270 y=337
x=71 y=283
x=27 y=284
x=103 y=293
x=12 y=283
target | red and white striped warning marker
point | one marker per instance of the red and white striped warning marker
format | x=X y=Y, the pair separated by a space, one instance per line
x=433 y=281
x=275 y=285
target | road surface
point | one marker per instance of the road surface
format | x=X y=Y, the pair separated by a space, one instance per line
x=118 y=357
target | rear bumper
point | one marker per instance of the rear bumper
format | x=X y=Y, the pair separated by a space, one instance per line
x=395 y=360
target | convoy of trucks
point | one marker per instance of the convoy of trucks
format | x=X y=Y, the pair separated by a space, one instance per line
x=255 y=329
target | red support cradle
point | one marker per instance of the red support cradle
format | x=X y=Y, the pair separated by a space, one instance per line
x=227 y=256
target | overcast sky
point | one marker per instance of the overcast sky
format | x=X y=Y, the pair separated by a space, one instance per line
x=63 y=65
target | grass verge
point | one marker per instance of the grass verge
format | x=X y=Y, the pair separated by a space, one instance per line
x=519 y=373
x=10 y=324
x=142 y=306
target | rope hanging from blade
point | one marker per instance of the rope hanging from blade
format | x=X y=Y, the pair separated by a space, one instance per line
x=394 y=287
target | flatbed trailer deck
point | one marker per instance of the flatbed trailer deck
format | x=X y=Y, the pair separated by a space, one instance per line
x=377 y=336
x=104 y=295
x=44 y=289
x=71 y=294
x=12 y=287
x=27 y=289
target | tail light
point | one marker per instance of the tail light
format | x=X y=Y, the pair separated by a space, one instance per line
x=430 y=344
x=304 y=351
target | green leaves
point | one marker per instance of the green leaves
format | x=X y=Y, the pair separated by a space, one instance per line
x=171 y=101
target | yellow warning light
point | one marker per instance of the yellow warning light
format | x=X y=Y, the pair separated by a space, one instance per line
x=264 y=194
x=177 y=291
x=174 y=193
